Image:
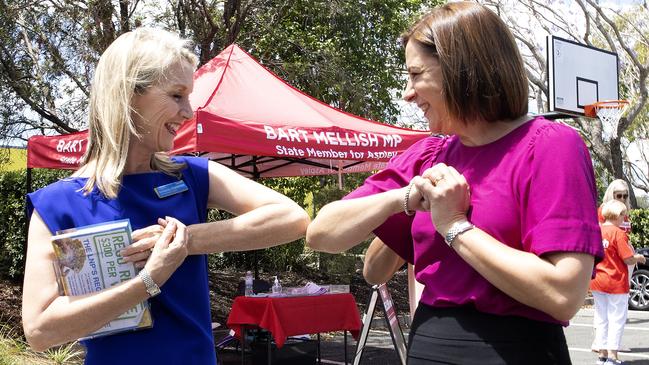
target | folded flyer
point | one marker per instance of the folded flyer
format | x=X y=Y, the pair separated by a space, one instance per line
x=87 y=261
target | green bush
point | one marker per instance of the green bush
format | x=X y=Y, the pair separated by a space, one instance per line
x=289 y=257
x=639 y=236
x=13 y=227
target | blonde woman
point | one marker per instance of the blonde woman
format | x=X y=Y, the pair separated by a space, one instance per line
x=617 y=190
x=139 y=100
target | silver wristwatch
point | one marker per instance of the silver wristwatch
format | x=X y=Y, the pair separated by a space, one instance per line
x=151 y=287
x=457 y=229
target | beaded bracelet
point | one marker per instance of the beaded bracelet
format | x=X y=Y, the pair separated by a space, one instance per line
x=405 y=201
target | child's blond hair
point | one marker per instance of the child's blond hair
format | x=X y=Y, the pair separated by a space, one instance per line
x=613 y=209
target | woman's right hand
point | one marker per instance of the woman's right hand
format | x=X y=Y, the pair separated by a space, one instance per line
x=447 y=194
x=416 y=200
x=169 y=251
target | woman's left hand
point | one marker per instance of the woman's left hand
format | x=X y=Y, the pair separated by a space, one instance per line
x=447 y=193
x=143 y=241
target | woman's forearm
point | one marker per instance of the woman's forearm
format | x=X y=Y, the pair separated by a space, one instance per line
x=343 y=224
x=555 y=285
x=68 y=318
x=266 y=226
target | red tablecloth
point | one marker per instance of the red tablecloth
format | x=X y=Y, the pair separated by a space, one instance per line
x=292 y=316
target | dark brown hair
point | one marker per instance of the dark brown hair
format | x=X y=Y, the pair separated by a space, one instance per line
x=483 y=72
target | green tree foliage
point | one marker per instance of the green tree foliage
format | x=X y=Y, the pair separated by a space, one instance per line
x=48 y=50
x=344 y=52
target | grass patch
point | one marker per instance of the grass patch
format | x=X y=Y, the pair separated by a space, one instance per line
x=15 y=351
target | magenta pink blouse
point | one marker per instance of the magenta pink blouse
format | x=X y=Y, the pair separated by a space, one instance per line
x=533 y=189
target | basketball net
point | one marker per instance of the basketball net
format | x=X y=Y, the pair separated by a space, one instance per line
x=609 y=112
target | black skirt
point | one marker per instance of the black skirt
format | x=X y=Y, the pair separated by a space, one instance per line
x=462 y=335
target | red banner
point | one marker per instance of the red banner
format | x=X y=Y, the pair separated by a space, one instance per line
x=57 y=152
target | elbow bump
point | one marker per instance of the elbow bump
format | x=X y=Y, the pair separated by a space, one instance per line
x=313 y=238
x=303 y=218
x=296 y=217
x=318 y=242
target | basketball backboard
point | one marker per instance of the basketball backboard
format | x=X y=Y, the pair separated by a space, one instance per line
x=579 y=75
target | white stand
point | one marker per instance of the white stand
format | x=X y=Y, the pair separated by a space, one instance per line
x=398 y=340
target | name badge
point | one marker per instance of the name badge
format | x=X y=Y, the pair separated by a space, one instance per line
x=173 y=188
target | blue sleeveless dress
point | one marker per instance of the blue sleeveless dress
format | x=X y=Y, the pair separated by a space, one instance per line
x=181 y=332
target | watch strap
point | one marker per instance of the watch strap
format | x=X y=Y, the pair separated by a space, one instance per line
x=457 y=229
x=151 y=287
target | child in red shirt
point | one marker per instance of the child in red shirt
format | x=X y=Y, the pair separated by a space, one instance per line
x=610 y=287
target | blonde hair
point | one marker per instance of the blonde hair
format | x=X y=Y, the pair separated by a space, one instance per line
x=613 y=209
x=615 y=186
x=130 y=65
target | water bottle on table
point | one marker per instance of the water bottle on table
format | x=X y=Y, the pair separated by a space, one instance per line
x=249 y=280
x=277 y=288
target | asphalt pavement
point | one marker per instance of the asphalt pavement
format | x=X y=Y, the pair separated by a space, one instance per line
x=380 y=351
x=635 y=340
x=579 y=335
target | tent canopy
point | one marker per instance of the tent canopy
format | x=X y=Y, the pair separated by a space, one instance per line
x=252 y=121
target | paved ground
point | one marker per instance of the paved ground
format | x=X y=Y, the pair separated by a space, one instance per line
x=579 y=334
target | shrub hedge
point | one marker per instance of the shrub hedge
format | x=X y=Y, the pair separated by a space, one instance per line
x=13 y=224
x=290 y=257
x=639 y=228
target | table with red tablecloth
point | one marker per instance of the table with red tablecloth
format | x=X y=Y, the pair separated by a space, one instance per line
x=290 y=316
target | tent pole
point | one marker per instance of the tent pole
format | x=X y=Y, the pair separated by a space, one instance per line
x=28 y=186
x=255 y=177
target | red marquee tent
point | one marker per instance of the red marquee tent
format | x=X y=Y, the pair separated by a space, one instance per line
x=250 y=120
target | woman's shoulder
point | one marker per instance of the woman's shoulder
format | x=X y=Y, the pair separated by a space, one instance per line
x=542 y=130
x=63 y=195
x=192 y=161
x=63 y=186
x=421 y=150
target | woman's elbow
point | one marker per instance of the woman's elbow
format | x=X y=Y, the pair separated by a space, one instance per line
x=565 y=306
x=317 y=239
x=566 y=310
x=299 y=219
x=36 y=338
x=373 y=277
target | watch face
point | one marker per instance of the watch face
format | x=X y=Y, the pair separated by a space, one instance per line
x=153 y=291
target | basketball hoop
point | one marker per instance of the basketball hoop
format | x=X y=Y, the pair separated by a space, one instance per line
x=609 y=112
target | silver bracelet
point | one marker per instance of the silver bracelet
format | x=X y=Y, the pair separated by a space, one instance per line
x=405 y=201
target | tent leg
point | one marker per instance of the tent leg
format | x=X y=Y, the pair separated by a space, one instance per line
x=28 y=185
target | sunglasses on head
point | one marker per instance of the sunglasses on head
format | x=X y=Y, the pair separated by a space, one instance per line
x=620 y=195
